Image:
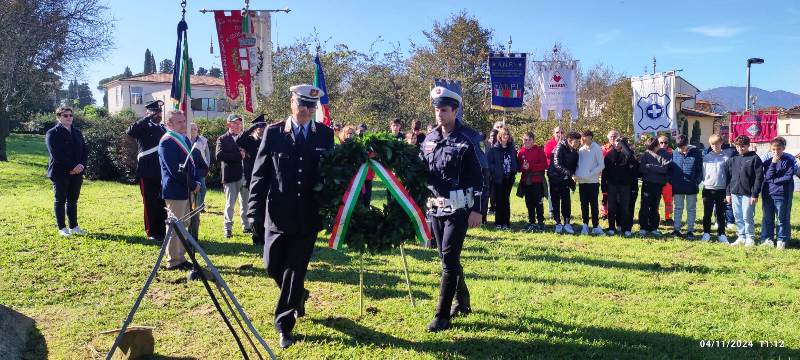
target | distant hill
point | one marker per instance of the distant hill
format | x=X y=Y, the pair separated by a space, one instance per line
x=731 y=98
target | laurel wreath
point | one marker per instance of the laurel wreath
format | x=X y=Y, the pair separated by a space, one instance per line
x=372 y=229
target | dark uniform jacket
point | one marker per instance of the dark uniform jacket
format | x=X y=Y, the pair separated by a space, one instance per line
x=250 y=146
x=147 y=135
x=176 y=180
x=454 y=164
x=285 y=174
x=67 y=149
x=227 y=153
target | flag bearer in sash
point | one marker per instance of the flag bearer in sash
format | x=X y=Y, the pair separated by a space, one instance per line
x=458 y=186
x=147 y=132
x=285 y=172
x=178 y=182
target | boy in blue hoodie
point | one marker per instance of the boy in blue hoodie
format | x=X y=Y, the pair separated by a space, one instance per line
x=686 y=174
x=777 y=194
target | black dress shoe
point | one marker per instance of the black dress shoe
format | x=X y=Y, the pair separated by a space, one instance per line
x=157 y=239
x=182 y=266
x=301 y=309
x=459 y=310
x=285 y=340
x=438 y=325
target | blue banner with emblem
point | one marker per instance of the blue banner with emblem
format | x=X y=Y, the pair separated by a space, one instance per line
x=454 y=86
x=507 y=75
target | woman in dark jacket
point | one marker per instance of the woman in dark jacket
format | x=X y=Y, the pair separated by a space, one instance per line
x=621 y=171
x=65 y=168
x=502 y=160
x=654 y=166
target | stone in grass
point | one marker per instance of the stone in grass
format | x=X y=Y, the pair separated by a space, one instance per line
x=136 y=343
x=16 y=329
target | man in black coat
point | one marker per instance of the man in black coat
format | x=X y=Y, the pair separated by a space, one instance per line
x=148 y=132
x=65 y=168
x=285 y=173
x=230 y=155
x=250 y=140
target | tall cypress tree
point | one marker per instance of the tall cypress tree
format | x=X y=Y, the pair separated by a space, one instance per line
x=148 y=69
x=695 y=139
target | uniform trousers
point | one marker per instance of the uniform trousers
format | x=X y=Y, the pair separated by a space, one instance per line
x=155 y=214
x=286 y=258
x=449 y=232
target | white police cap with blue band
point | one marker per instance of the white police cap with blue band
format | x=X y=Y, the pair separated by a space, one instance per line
x=439 y=92
x=307 y=92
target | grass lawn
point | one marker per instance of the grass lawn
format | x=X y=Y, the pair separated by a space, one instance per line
x=533 y=295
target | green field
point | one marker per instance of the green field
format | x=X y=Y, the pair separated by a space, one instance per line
x=533 y=295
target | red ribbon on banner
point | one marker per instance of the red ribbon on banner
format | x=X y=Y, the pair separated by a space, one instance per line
x=234 y=56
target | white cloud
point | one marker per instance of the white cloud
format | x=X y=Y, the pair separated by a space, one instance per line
x=717 y=31
x=605 y=37
x=701 y=50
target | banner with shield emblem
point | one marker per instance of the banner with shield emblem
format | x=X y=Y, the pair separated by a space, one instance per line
x=654 y=103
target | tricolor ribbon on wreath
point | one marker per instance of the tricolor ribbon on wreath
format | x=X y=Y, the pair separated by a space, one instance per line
x=399 y=193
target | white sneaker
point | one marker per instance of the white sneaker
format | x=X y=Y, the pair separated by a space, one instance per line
x=739 y=242
x=781 y=245
x=597 y=231
x=705 y=237
x=749 y=242
x=610 y=233
x=656 y=233
x=568 y=229
x=585 y=229
x=77 y=231
x=642 y=233
x=731 y=226
x=559 y=228
x=723 y=239
x=64 y=232
x=767 y=243
x=628 y=234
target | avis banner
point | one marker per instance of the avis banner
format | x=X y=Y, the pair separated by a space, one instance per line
x=507 y=74
x=654 y=103
x=760 y=127
x=558 y=88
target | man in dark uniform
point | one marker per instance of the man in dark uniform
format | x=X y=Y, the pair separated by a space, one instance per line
x=457 y=183
x=250 y=140
x=148 y=132
x=285 y=173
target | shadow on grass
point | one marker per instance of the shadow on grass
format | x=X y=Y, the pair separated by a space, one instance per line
x=36 y=348
x=553 y=340
x=210 y=247
x=166 y=357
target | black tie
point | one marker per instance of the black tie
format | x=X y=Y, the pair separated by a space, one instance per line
x=301 y=138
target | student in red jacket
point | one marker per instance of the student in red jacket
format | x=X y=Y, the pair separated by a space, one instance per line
x=532 y=164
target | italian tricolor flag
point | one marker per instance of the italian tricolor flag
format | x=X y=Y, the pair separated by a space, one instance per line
x=507 y=93
x=323 y=114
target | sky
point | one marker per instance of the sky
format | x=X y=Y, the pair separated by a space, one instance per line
x=709 y=40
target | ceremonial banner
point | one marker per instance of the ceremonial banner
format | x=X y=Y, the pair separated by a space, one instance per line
x=261 y=54
x=760 y=127
x=454 y=86
x=654 y=103
x=323 y=114
x=507 y=74
x=181 y=89
x=559 y=90
x=234 y=55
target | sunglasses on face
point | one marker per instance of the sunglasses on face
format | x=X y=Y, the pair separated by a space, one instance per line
x=663 y=142
x=307 y=104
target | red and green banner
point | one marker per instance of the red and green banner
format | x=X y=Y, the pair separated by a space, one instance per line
x=234 y=51
x=399 y=193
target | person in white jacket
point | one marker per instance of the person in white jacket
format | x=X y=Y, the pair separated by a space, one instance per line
x=590 y=166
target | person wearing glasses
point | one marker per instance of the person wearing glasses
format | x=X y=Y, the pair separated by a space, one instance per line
x=285 y=173
x=65 y=168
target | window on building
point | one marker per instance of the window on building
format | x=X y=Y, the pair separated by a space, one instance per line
x=136 y=95
x=206 y=104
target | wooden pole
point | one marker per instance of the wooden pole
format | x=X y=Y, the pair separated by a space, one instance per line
x=361 y=284
x=408 y=279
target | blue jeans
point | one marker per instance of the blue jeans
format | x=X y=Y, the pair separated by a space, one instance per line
x=201 y=195
x=743 y=213
x=775 y=207
x=690 y=200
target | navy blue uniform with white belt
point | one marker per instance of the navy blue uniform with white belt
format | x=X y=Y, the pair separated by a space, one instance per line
x=453 y=165
x=148 y=134
x=285 y=172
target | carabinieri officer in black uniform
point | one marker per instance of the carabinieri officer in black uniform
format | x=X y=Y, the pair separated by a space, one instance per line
x=148 y=132
x=285 y=173
x=457 y=183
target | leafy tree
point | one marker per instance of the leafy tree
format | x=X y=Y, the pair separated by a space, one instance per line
x=41 y=41
x=215 y=72
x=165 y=66
x=202 y=71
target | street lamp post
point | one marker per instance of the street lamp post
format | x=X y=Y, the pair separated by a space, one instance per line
x=750 y=61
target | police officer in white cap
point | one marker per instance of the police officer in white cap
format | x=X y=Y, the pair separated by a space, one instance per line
x=458 y=186
x=285 y=172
